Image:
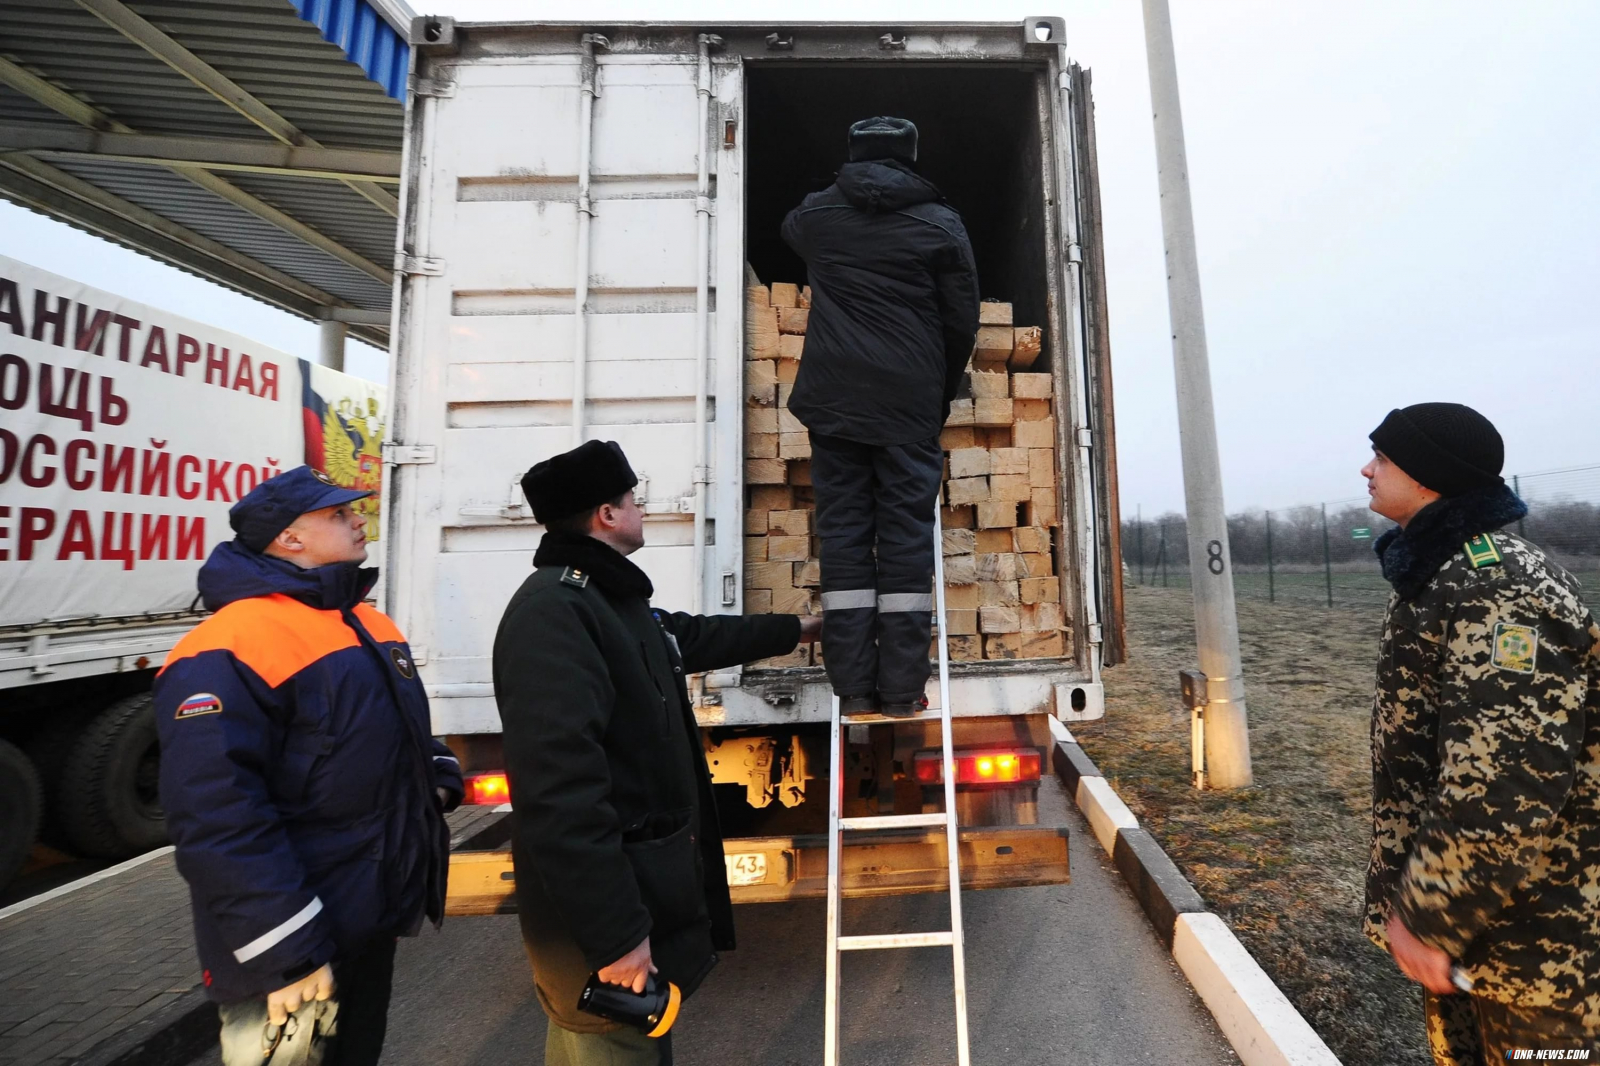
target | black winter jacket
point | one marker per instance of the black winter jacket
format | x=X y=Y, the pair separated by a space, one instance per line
x=894 y=305
x=616 y=836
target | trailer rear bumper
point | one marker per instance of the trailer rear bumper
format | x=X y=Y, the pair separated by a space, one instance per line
x=879 y=864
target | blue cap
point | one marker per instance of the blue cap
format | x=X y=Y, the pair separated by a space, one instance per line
x=272 y=506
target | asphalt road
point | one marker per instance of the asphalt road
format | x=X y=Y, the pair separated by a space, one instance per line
x=1060 y=974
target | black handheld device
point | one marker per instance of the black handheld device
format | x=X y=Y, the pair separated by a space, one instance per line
x=652 y=1011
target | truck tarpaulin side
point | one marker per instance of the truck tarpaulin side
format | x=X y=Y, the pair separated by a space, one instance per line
x=127 y=432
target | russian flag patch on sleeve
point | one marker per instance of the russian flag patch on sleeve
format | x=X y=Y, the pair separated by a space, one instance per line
x=198 y=704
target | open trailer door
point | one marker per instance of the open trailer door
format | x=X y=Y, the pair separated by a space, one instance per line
x=1097 y=337
x=573 y=213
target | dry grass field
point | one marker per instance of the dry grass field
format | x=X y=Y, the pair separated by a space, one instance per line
x=1283 y=862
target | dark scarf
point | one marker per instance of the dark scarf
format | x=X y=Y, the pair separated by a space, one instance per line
x=1411 y=556
x=599 y=560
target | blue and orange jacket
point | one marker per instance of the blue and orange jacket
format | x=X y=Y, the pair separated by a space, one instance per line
x=298 y=773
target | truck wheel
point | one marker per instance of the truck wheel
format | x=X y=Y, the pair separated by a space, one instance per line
x=107 y=802
x=21 y=805
x=48 y=749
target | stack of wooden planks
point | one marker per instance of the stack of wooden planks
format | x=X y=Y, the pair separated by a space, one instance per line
x=1001 y=493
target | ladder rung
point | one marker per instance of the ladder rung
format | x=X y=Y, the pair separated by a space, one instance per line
x=893 y=821
x=874 y=718
x=896 y=940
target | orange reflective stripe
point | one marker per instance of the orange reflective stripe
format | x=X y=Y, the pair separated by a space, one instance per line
x=275 y=636
x=380 y=625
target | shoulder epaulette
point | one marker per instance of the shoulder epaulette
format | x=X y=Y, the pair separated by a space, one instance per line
x=575 y=577
x=1481 y=551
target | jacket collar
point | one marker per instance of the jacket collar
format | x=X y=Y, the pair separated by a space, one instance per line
x=601 y=561
x=1411 y=556
x=234 y=572
x=885 y=185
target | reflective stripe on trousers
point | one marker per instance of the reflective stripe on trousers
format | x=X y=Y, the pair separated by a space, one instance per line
x=849 y=599
x=905 y=601
x=889 y=602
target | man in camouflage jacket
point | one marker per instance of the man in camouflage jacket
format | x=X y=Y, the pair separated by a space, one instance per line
x=1485 y=863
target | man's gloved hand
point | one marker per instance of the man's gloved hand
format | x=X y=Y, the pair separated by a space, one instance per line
x=317 y=985
x=810 y=628
x=632 y=970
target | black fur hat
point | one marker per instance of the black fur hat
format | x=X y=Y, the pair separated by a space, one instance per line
x=883 y=138
x=593 y=473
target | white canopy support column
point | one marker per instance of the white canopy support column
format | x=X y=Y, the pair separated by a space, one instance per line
x=334 y=333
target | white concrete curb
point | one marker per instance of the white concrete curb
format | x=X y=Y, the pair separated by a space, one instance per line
x=1253 y=1013
x=1105 y=810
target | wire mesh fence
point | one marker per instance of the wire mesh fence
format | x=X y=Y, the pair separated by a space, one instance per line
x=1322 y=553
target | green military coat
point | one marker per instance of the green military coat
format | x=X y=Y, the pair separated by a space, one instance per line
x=1486 y=769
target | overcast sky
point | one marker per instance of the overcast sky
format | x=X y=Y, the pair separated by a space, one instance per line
x=1395 y=202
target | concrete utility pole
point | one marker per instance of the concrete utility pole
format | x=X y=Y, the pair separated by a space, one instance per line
x=1227 y=740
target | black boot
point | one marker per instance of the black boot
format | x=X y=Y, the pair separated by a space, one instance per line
x=903 y=708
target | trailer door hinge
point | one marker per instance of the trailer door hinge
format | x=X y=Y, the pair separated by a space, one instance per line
x=1075 y=253
x=418 y=264
x=436 y=87
x=409 y=454
x=516 y=506
x=1086 y=438
x=669 y=505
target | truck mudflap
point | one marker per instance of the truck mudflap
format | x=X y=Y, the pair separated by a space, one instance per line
x=774 y=869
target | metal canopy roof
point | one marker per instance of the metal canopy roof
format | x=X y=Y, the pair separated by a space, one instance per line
x=255 y=143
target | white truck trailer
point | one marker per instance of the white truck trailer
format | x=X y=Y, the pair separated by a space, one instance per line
x=126 y=433
x=584 y=206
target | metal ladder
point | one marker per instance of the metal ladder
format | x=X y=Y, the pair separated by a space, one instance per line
x=837 y=826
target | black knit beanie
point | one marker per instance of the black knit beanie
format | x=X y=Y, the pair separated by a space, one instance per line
x=883 y=138
x=1446 y=447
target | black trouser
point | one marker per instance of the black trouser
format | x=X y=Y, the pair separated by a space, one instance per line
x=875 y=508
x=362 y=986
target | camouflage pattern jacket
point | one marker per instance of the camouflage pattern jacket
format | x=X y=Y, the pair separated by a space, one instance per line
x=1486 y=758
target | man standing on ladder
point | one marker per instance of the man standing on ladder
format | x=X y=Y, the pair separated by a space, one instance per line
x=894 y=311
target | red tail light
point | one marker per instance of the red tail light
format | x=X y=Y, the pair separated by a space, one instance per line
x=488 y=790
x=1009 y=766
